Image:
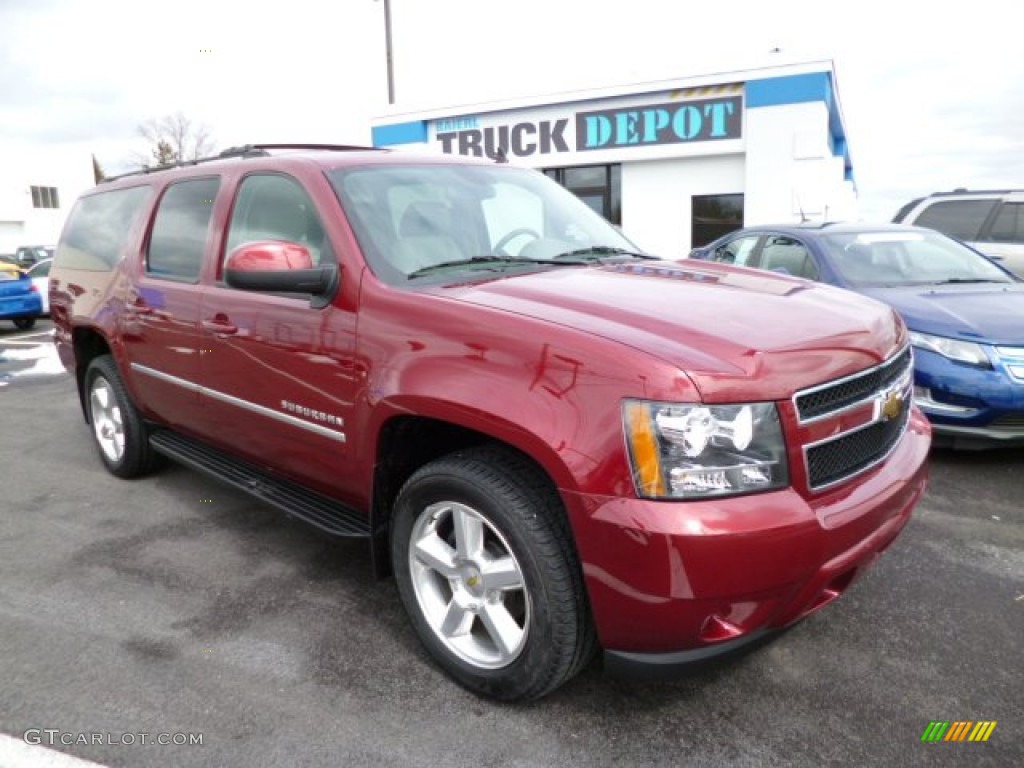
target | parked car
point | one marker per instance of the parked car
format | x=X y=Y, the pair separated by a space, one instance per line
x=9 y=268
x=555 y=443
x=990 y=221
x=965 y=312
x=27 y=255
x=39 y=274
x=20 y=301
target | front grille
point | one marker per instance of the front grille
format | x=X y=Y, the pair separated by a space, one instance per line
x=837 y=459
x=835 y=396
x=845 y=454
x=1011 y=422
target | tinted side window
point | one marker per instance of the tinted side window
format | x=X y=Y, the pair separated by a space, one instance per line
x=1009 y=224
x=788 y=256
x=275 y=207
x=180 y=230
x=98 y=229
x=961 y=219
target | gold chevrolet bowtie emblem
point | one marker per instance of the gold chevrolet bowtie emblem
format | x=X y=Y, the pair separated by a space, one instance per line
x=892 y=407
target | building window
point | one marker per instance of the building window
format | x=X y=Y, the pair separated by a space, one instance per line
x=714 y=216
x=599 y=186
x=45 y=197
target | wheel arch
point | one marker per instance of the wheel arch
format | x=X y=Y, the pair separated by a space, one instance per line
x=88 y=344
x=408 y=440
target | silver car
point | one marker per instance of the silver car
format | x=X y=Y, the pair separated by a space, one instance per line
x=990 y=221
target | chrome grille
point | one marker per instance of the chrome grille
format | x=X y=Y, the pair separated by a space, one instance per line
x=853 y=452
x=843 y=455
x=826 y=399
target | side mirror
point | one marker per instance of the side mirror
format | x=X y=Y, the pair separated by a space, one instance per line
x=274 y=265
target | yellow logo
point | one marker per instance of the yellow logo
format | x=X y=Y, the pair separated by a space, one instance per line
x=892 y=407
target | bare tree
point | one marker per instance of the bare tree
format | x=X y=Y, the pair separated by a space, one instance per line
x=176 y=138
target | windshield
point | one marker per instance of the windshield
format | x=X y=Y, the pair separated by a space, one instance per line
x=908 y=258
x=423 y=220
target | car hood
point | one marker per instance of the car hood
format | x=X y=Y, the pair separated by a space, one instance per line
x=991 y=312
x=738 y=333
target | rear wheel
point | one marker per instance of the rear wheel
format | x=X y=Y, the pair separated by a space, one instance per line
x=487 y=571
x=117 y=427
x=25 y=323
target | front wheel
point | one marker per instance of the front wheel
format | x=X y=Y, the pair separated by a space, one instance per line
x=118 y=430
x=487 y=571
x=25 y=323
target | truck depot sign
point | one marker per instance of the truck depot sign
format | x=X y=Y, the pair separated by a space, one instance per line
x=613 y=128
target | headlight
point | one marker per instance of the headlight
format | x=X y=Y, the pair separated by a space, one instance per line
x=689 y=451
x=954 y=349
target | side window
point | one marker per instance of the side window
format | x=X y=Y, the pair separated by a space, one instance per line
x=788 y=256
x=99 y=228
x=736 y=251
x=275 y=207
x=181 y=228
x=961 y=219
x=1009 y=224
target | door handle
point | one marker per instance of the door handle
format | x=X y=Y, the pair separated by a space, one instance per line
x=219 y=326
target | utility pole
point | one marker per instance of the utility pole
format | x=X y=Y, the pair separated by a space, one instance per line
x=387 y=43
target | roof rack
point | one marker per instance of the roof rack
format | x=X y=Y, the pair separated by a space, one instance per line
x=965 y=191
x=245 y=150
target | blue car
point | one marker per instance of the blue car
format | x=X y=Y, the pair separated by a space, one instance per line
x=19 y=299
x=965 y=313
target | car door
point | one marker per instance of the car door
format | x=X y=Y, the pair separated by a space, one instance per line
x=160 y=323
x=277 y=370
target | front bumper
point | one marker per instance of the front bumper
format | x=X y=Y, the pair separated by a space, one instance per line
x=673 y=583
x=970 y=404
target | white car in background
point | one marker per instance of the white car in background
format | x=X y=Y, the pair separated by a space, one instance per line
x=989 y=221
x=40 y=274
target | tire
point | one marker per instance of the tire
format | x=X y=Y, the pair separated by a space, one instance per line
x=487 y=571
x=118 y=430
x=25 y=323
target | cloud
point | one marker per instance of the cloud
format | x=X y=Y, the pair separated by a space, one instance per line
x=930 y=98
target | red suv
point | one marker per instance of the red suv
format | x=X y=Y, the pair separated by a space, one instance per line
x=556 y=443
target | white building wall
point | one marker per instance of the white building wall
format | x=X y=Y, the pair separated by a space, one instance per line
x=790 y=171
x=657 y=198
x=21 y=224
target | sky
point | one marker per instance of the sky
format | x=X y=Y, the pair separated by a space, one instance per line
x=931 y=93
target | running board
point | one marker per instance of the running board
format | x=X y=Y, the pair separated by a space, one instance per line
x=318 y=510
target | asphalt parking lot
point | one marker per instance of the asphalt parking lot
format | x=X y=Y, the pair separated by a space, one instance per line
x=175 y=605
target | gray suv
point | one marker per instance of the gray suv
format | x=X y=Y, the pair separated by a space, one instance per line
x=990 y=221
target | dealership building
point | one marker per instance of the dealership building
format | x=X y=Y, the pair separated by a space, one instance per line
x=36 y=190
x=675 y=163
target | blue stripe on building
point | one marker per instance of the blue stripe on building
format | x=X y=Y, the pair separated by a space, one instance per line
x=413 y=132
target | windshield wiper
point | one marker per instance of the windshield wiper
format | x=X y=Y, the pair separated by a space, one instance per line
x=495 y=261
x=597 y=252
x=961 y=280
